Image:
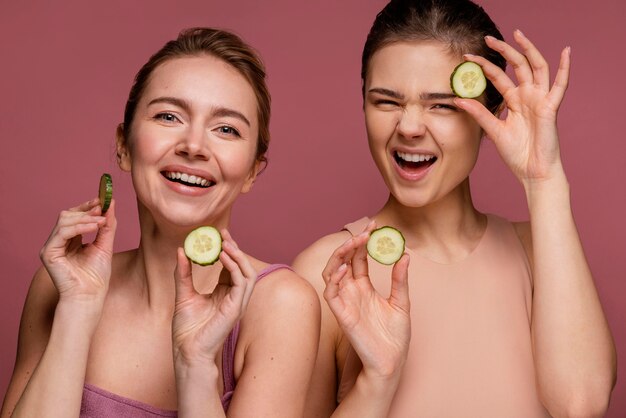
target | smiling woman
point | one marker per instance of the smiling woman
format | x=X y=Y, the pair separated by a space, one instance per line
x=491 y=318
x=196 y=340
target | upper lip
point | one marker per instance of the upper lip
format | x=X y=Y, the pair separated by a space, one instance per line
x=189 y=171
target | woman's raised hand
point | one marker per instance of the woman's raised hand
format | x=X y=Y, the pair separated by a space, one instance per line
x=527 y=138
x=378 y=329
x=201 y=323
x=81 y=272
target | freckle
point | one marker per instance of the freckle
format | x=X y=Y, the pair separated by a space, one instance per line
x=254 y=377
x=271 y=358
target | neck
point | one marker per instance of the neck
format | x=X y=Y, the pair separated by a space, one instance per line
x=154 y=262
x=447 y=229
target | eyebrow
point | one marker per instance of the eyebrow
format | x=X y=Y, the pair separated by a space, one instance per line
x=386 y=92
x=423 y=96
x=219 y=111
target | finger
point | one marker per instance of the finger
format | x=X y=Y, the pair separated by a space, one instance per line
x=332 y=286
x=240 y=289
x=341 y=255
x=106 y=234
x=359 y=259
x=399 y=295
x=241 y=258
x=86 y=206
x=500 y=80
x=490 y=124
x=518 y=61
x=183 y=278
x=561 y=80
x=538 y=64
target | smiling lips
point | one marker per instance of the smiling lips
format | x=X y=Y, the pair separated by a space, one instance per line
x=413 y=163
x=188 y=179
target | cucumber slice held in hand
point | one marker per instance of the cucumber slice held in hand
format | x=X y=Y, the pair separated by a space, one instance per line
x=203 y=245
x=386 y=245
x=105 y=192
x=468 y=80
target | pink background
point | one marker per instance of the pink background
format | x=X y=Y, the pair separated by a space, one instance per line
x=67 y=68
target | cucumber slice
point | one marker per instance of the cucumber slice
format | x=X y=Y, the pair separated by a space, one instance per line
x=467 y=80
x=105 y=192
x=386 y=245
x=203 y=245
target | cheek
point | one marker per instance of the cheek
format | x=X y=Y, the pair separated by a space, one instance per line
x=380 y=127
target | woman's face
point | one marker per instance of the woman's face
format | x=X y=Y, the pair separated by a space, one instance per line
x=423 y=145
x=193 y=141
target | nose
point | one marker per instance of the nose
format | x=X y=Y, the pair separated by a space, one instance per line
x=194 y=143
x=412 y=123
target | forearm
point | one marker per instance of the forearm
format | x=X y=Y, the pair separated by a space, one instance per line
x=197 y=389
x=370 y=397
x=56 y=386
x=573 y=347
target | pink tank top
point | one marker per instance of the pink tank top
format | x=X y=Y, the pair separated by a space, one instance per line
x=470 y=353
x=98 y=403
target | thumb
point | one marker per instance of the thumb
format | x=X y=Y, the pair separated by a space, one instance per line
x=487 y=120
x=106 y=234
x=400 y=284
x=182 y=277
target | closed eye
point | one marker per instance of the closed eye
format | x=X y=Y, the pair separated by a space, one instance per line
x=445 y=107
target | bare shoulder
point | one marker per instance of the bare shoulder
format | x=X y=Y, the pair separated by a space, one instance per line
x=41 y=301
x=311 y=262
x=284 y=286
x=34 y=333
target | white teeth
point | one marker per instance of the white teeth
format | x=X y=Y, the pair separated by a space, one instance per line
x=414 y=157
x=187 y=178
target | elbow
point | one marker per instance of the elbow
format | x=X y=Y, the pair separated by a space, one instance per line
x=584 y=404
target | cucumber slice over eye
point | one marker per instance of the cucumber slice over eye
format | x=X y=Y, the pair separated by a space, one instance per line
x=386 y=245
x=105 y=192
x=203 y=245
x=467 y=80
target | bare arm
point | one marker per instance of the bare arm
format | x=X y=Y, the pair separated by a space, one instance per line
x=378 y=329
x=279 y=334
x=573 y=349
x=52 y=353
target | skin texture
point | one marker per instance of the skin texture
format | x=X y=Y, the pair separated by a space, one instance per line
x=100 y=317
x=570 y=338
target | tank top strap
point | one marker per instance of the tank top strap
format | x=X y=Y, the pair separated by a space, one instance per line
x=230 y=344
x=356 y=227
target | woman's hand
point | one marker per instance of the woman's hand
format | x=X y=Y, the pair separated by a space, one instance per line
x=527 y=138
x=378 y=329
x=81 y=272
x=201 y=323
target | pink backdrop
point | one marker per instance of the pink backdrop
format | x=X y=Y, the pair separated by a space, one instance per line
x=67 y=68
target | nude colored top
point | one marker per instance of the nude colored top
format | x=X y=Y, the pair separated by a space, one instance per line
x=99 y=403
x=470 y=353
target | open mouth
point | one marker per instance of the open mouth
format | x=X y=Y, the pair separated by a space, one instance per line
x=413 y=162
x=187 y=179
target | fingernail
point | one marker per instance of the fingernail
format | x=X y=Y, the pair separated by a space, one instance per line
x=342 y=267
x=519 y=32
x=227 y=245
x=489 y=38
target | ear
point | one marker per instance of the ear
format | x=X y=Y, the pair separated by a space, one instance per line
x=121 y=145
x=254 y=172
